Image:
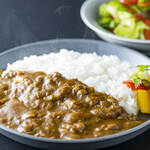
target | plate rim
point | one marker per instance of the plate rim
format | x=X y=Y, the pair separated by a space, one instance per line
x=71 y=39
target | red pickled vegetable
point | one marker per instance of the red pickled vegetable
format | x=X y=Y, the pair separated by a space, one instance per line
x=128 y=2
x=146 y=31
x=131 y=85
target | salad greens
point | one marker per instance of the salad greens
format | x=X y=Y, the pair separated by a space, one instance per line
x=138 y=75
x=125 y=20
x=130 y=29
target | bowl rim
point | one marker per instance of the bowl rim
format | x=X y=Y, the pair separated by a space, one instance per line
x=77 y=141
x=101 y=30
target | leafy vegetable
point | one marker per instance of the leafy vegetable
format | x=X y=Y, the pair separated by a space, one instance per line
x=103 y=10
x=135 y=8
x=115 y=8
x=130 y=29
x=107 y=22
x=138 y=75
x=125 y=18
x=142 y=1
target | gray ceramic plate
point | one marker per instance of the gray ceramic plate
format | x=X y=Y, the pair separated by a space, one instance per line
x=80 y=45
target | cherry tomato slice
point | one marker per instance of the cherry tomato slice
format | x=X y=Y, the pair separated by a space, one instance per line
x=138 y=17
x=147 y=32
x=111 y=30
x=128 y=2
x=131 y=85
x=147 y=22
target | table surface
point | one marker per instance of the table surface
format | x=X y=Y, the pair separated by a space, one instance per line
x=26 y=21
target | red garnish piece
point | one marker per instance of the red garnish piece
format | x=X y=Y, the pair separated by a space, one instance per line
x=111 y=30
x=147 y=22
x=138 y=17
x=146 y=31
x=128 y=2
x=147 y=34
x=131 y=85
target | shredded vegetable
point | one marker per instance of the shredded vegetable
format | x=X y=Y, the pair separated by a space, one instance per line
x=123 y=18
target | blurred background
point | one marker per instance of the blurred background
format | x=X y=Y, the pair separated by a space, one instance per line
x=26 y=21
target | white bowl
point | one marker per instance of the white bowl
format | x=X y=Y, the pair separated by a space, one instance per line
x=88 y=14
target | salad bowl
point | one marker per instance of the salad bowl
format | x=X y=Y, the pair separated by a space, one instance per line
x=88 y=14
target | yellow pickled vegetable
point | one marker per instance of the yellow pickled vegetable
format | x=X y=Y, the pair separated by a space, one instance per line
x=144 y=101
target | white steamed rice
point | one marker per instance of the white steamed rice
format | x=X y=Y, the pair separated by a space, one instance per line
x=105 y=73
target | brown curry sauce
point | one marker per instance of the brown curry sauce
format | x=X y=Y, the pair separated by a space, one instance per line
x=55 y=107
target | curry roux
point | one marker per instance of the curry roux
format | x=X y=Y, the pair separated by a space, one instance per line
x=55 y=107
